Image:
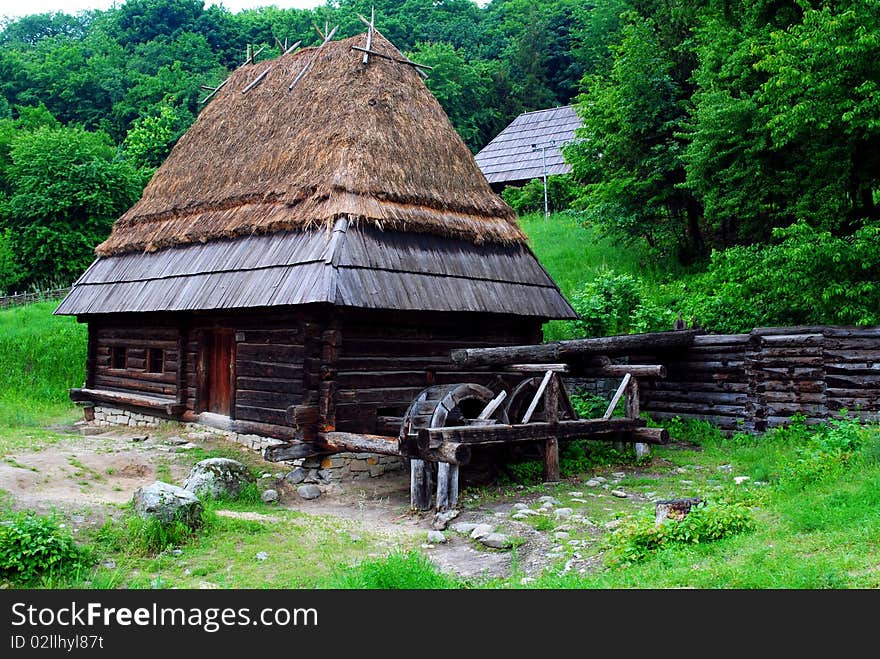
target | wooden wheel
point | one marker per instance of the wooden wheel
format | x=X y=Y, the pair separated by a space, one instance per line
x=521 y=397
x=441 y=406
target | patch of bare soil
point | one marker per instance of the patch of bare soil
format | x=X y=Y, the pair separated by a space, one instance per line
x=89 y=478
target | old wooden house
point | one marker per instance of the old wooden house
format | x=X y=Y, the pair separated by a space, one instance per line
x=320 y=237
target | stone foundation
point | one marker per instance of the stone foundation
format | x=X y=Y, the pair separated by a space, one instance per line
x=112 y=416
x=351 y=466
x=329 y=468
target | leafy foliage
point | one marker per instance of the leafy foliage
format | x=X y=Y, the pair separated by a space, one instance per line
x=529 y=198
x=635 y=540
x=805 y=276
x=34 y=547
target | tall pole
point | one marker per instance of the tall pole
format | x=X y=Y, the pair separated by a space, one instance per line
x=544 y=168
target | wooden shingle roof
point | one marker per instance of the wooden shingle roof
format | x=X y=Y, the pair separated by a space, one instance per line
x=351 y=266
x=515 y=153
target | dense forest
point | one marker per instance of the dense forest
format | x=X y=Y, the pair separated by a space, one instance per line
x=738 y=140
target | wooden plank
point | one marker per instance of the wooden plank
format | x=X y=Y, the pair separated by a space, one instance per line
x=419 y=485
x=619 y=370
x=526 y=431
x=538 y=368
x=492 y=405
x=617 y=395
x=537 y=398
x=167 y=405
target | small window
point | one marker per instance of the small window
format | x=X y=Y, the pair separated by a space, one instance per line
x=117 y=357
x=155 y=360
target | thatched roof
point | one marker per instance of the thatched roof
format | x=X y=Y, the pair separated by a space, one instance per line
x=366 y=142
x=514 y=155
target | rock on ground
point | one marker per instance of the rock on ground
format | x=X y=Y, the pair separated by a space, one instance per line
x=309 y=491
x=218 y=477
x=168 y=503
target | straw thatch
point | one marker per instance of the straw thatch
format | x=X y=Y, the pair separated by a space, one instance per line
x=367 y=142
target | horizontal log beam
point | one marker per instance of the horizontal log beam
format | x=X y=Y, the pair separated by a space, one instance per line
x=537 y=368
x=292 y=451
x=359 y=443
x=169 y=406
x=619 y=370
x=434 y=437
x=574 y=349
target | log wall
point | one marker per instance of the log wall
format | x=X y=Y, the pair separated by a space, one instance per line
x=384 y=360
x=134 y=377
x=755 y=381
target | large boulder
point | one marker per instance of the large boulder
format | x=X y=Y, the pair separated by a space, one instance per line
x=168 y=503
x=218 y=478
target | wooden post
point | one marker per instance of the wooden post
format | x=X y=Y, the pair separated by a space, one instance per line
x=551 y=415
x=91 y=355
x=632 y=412
x=182 y=340
x=442 y=501
x=331 y=339
x=419 y=485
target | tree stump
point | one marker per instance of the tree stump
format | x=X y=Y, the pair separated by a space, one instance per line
x=676 y=509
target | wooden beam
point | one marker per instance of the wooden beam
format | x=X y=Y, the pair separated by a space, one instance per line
x=574 y=349
x=456 y=453
x=492 y=405
x=538 y=394
x=616 y=398
x=256 y=81
x=370 y=35
x=499 y=432
x=312 y=60
x=619 y=370
x=359 y=443
x=216 y=89
x=537 y=368
x=419 y=485
x=291 y=451
x=292 y=48
x=393 y=59
x=169 y=406
x=551 y=416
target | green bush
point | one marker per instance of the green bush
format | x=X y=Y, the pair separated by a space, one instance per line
x=635 y=540
x=617 y=303
x=529 y=198
x=34 y=547
x=829 y=451
x=147 y=536
x=806 y=276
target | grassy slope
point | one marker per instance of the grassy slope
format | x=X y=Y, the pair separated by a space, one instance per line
x=41 y=357
x=573 y=254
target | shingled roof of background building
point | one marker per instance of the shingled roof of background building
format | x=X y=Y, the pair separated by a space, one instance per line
x=514 y=155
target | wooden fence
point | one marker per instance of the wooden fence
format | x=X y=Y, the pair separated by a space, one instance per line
x=762 y=379
x=34 y=296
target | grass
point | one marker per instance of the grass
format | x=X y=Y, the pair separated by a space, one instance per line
x=572 y=254
x=812 y=496
x=41 y=357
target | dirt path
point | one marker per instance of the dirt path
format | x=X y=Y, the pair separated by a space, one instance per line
x=90 y=478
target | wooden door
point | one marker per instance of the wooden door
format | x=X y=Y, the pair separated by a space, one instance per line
x=220 y=377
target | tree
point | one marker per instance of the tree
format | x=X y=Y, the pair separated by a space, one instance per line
x=628 y=151
x=457 y=85
x=68 y=188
